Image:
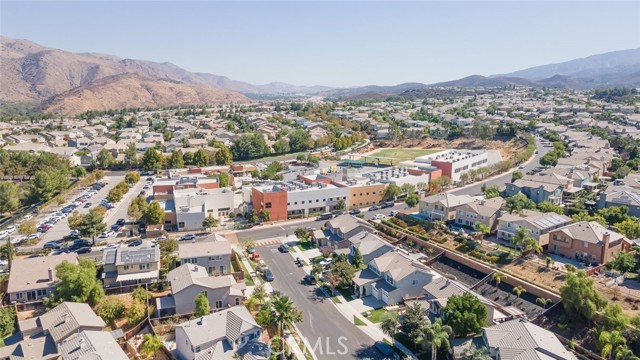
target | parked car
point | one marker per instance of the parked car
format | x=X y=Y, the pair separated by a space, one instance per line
x=284 y=248
x=111 y=246
x=299 y=262
x=120 y=222
x=87 y=205
x=379 y=216
x=326 y=262
x=135 y=243
x=106 y=234
x=354 y=211
x=310 y=279
x=374 y=208
x=10 y=229
x=52 y=245
x=115 y=227
x=393 y=213
x=267 y=275
x=83 y=250
x=188 y=237
x=387 y=204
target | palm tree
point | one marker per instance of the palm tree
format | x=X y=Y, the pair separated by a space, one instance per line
x=438 y=336
x=498 y=277
x=518 y=290
x=389 y=325
x=624 y=353
x=520 y=237
x=531 y=245
x=150 y=345
x=482 y=230
x=609 y=340
x=285 y=314
x=544 y=302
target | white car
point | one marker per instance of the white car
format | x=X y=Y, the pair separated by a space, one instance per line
x=106 y=234
x=35 y=235
x=379 y=216
x=326 y=262
x=27 y=217
x=3 y=234
x=111 y=246
x=11 y=229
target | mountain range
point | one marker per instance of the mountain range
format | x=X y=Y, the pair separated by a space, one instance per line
x=69 y=83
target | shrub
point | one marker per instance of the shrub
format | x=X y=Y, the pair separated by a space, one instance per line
x=110 y=309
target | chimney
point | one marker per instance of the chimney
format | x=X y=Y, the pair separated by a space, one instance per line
x=50 y=271
x=606 y=237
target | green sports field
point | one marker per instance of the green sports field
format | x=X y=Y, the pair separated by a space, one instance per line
x=403 y=154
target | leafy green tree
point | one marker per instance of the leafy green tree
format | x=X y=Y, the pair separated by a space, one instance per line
x=519 y=202
x=104 y=159
x=482 y=228
x=474 y=352
x=579 y=295
x=89 y=224
x=152 y=160
x=299 y=140
x=438 y=336
x=439 y=184
x=79 y=172
x=498 y=277
x=549 y=159
x=223 y=156
x=151 y=344
x=516 y=175
x=341 y=274
x=132 y=177
x=78 y=283
x=521 y=238
x=7 y=321
x=131 y=155
x=202 y=305
x=624 y=353
x=392 y=192
x=614 y=214
x=546 y=207
x=412 y=200
x=252 y=216
x=139 y=294
x=115 y=195
x=629 y=228
x=210 y=222
x=27 y=227
x=110 y=309
x=154 y=214
x=264 y=215
x=175 y=160
x=249 y=146
x=200 y=158
x=408 y=189
x=281 y=146
x=138 y=207
x=358 y=260
x=341 y=204
x=9 y=197
x=135 y=312
x=491 y=192
x=46 y=184
x=465 y=314
x=413 y=322
x=259 y=293
x=613 y=318
x=223 y=178
x=624 y=262
x=389 y=324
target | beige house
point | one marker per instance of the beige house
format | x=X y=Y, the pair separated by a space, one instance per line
x=31 y=279
x=442 y=206
x=188 y=280
x=212 y=253
x=130 y=265
x=537 y=223
x=480 y=211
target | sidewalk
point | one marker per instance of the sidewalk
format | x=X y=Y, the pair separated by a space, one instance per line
x=267 y=286
x=372 y=330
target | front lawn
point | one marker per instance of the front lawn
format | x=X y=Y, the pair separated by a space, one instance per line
x=376 y=315
x=346 y=293
x=357 y=321
x=306 y=245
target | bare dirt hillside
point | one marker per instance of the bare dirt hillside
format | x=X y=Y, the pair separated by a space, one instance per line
x=130 y=90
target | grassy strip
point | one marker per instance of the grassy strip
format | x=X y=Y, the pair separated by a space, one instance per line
x=357 y=321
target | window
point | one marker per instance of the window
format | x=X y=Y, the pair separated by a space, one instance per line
x=267 y=205
x=18 y=295
x=414 y=282
x=181 y=224
x=126 y=267
x=209 y=210
x=197 y=348
x=218 y=304
x=144 y=266
x=585 y=244
x=303 y=201
x=238 y=302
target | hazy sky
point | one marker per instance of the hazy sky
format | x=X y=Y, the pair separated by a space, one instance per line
x=332 y=43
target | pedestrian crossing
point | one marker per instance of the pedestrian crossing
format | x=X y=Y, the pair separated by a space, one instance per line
x=267 y=242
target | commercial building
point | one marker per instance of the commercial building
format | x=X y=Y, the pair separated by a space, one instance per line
x=453 y=163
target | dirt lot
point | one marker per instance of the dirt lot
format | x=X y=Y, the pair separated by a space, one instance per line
x=536 y=274
x=505 y=147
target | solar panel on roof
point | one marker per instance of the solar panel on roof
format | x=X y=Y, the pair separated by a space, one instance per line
x=110 y=256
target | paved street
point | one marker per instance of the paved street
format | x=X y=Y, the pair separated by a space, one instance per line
x=476 y=189
x=336 y=337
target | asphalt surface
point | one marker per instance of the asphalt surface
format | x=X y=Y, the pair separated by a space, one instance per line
x=334 y=337
x=61 y=228
x=476 y=189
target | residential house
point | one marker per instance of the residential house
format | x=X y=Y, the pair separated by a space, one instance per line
x=31 y=279
x=442 y=206
x=339 y=230
x=393 y=277
x=537 y=223
x=627 y=195
x=480 y=211
x=220 y=336
x=587 y=241
x=212 y=253
x=130 y=265
x=188 y=280
x=536 y=191
x=95 y=345
x=520 y=339
x=370 y=245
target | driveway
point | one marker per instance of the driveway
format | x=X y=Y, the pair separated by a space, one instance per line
x=333 y=336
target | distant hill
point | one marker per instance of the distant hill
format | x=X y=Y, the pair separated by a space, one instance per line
x=483 y=81
x=132 y=90
x=373 y=90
